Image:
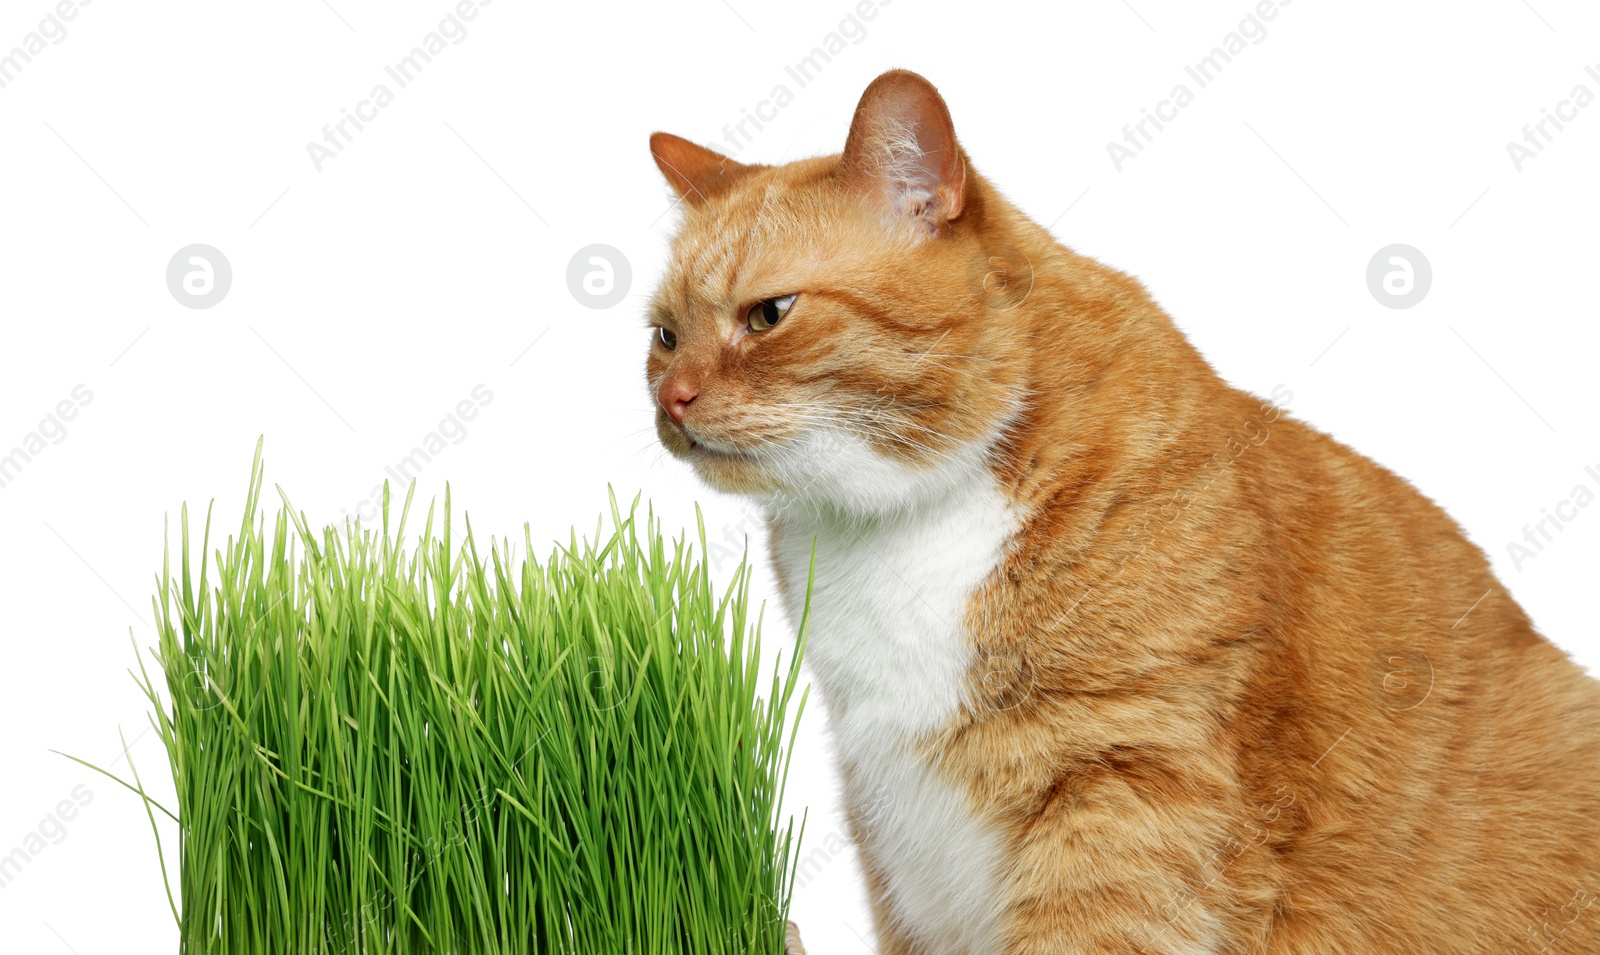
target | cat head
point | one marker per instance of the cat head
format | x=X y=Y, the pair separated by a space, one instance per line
x=833 y=331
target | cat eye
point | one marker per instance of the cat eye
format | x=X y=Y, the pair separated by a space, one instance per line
x=667 y=338
x=765 y=314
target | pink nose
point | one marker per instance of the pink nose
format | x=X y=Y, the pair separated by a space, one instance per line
x=676 y=396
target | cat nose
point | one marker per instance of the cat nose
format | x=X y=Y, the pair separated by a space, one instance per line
x=676 y=396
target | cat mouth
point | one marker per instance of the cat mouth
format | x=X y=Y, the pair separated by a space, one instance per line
x=713 y=450
x=703 y=449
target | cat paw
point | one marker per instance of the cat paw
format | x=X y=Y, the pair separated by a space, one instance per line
x=791 y=944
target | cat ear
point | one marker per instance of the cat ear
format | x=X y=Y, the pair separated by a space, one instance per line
x=697 y=173
x=902 y=149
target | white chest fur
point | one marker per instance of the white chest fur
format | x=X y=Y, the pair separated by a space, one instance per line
x=892 y=657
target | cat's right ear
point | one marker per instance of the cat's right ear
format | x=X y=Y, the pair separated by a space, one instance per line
x=695 y=172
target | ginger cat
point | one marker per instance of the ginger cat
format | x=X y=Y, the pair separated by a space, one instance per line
x=1116 y=657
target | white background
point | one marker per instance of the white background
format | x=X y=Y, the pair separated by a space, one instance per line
x=372 y=296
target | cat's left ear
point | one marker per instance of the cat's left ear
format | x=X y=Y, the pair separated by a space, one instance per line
x=695 y=172
x=902 y=150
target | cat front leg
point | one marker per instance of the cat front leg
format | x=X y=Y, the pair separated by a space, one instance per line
x=1129 y=860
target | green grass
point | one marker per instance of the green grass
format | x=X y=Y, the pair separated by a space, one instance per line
x=437 y=749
